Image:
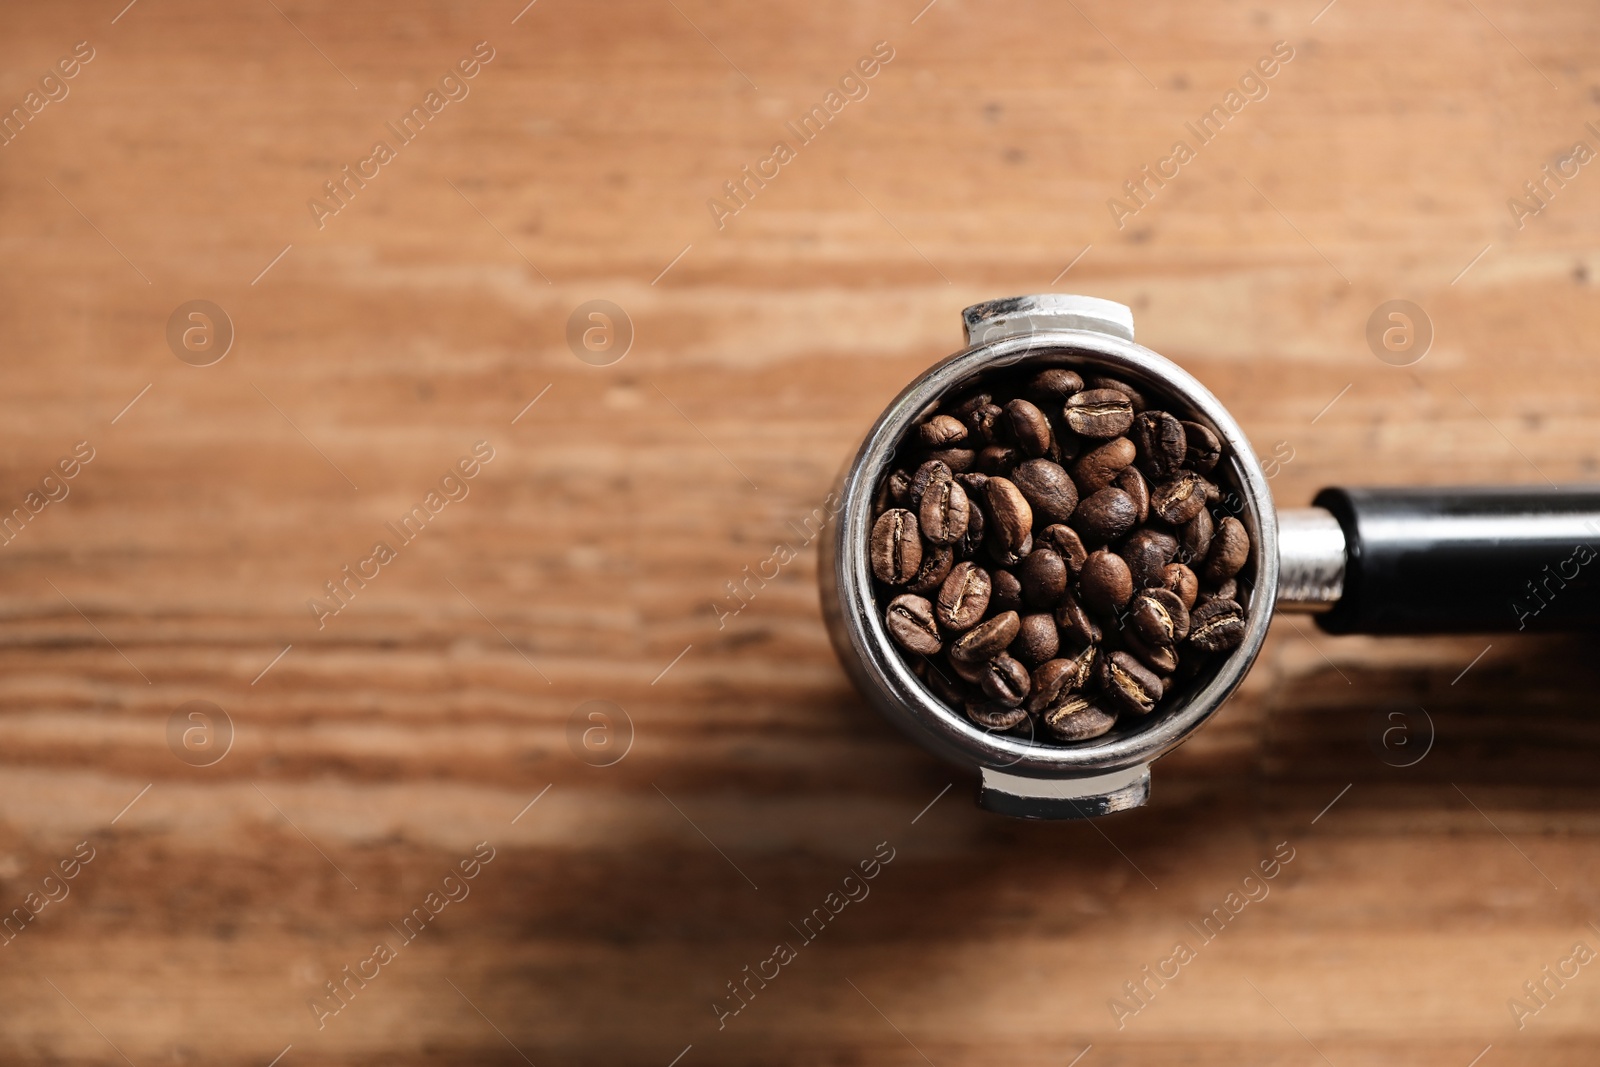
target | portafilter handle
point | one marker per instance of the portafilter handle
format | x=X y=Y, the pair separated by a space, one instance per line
x=1444 y=560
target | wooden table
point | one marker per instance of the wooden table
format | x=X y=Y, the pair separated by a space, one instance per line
x=376 y=344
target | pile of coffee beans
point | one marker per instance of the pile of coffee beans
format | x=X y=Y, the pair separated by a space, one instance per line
x=1056 y=556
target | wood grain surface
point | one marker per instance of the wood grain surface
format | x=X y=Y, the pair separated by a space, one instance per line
x=376 y=345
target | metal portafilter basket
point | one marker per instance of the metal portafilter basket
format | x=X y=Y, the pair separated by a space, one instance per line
x=1362 y=561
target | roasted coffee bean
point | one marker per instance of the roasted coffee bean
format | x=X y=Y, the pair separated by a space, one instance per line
x=1195 y=536
x=1029 y=428
x=1230 y=549
x=943 y=516
x=999 y=459
x=1099 y=413
x=1213 y=494
x=972 y=540
x=896 y=548
x=992 y=716
x=963 y=598
x=1129 y=685
x=983 y=424
x=1052 y=680
x=1050 y=388
x=1047 y=488
x=1006 y=592
x=1105 y=583
x=1135 y=397
x=942 y=431
x=969 y=403
x=936 y=563
x=1044 y=578
x=1162 y=444
x=1077 y=718
x=899 y=489
x=911 y=624
x=973 y=482
x=1179 y=499
x=1161 y=659
x=1130 y=481
x=1105 y=516
x=1217 y=626
x=988 y=639
x=1037 y=640
x=1203 y=447
x=958 y=460
x=1005 y=681
x=1099 y=467
x=942 y=681
x=1228 y=590
x=1159 y=617
x=931 y=471
x=1179 y=579
x=1076 y=623
x=971 y=673
x=1010 y=521
x=1065 y=542
x=1147 y=553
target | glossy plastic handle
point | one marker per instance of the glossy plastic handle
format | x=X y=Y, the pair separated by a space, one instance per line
x=1451 y=560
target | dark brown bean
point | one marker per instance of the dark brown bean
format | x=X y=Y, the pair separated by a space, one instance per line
x=1179 y=579
x=971 y=673
x=1105 y=583
x=983 y=424
x=972 y=540
x=1228 y=590
x=1217 y=626
x=973 y=482
x=936 y=563
x=1037 y=640
x=1065 y=542
x=1099 y=413
x=1204 y=450
x=1029 y=428
x=963 y=598
x=1230 y=549
x=942 y=681
x=988 y=639
x=1052 y=387
x=1077 y=718
x=992 y=716
x=1159 y=617
x=1055 y=678
x=1129 y=685
x=1147 y=553
x=1006 y=594
x=896 y=547
x=942 y=431
x=1179 y=499
x=910 y=622
x=943 y=515
x=967 y=403
x=1130 y=481
x=1196 y=536
x=1005 y=681
x=1044 y=578
x=1076 y=623
x=1162 y=444
x=1010 y=521
x=1099 y=467
x=934 y=470
x=999 y=459
x=1047 y=488
x=1161 y=659
x=1105 y=516
x=1135 y=397
x=900 y=489
x=958 y=460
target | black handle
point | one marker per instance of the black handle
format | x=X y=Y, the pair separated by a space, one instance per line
x=1448 y=560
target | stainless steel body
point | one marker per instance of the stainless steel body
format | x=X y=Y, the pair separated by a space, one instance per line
x=1019 y=776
